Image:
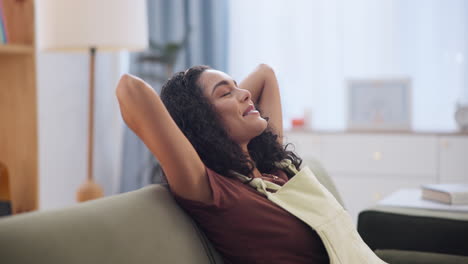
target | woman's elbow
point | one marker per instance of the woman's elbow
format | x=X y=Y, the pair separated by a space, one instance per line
x=124 y=85
x=265 y=67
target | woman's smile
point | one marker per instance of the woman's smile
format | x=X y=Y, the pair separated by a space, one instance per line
x=250 y=111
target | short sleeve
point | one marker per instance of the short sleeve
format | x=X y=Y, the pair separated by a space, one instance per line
x=224 y=194
x=281 y=174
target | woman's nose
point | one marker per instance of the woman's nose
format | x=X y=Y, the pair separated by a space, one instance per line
x=245 y=95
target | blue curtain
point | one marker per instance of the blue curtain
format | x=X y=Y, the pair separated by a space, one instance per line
x=207 y=43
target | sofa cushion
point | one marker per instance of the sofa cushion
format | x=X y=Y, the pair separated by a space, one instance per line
x=143 y=226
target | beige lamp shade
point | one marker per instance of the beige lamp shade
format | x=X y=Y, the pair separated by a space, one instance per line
x=67 y=25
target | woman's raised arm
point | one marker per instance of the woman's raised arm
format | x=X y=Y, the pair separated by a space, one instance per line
x=263 y=86
x=144 y=112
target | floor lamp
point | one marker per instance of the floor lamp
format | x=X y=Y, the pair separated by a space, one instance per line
x=91 y=25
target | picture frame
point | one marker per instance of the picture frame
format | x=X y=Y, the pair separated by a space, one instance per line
x=379 y=104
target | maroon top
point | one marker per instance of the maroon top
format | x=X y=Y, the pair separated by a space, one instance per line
x=245 y=227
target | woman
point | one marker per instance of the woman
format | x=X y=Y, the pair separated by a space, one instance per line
x=206 y=129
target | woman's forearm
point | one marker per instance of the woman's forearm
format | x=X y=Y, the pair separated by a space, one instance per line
x=146 y=115
x=263 y=86
x=255 y=81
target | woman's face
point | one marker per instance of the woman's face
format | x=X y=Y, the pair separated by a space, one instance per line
x=234 y=105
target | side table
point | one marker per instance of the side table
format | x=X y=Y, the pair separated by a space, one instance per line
x=399 y=226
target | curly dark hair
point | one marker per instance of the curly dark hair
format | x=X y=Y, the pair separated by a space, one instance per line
x=197 y=119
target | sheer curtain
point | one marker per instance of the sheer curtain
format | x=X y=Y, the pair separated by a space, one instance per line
x=315 y=46
x=207 y=44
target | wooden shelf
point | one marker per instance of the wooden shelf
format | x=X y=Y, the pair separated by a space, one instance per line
x=16 y=49
x=18 y=109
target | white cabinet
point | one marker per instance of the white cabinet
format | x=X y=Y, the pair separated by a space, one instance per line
x=368 y=166
x=307 y=145
x=453 y=166
x=367 y=154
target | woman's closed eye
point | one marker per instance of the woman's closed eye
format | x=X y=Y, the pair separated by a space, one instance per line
x=226 y=94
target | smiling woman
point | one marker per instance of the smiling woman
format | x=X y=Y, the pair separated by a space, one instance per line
x=218 y=145
x=208 y=107
x=206 y=129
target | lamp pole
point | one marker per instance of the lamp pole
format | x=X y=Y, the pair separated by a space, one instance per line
x=90 y=190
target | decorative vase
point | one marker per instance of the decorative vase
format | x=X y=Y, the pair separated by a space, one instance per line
x=461 y=116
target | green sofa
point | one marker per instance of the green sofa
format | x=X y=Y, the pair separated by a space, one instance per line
x=143 y=226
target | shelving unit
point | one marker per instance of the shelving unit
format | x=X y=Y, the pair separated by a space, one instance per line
x=16 y=49
x=18 y=107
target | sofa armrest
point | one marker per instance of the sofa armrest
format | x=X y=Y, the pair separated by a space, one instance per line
x=415 y=257
x=384 y=227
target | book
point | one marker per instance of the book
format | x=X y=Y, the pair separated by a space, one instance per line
x=3 y=38
x=18 y=22
x=411 y=198
x=5 y=208
x=455 y=194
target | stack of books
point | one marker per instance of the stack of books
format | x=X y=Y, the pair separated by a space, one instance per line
x=5 y=197
x=453 y=194
x=17 y=23
x=3 y=28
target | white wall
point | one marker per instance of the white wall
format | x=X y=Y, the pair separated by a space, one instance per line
x=62 y=81
x=316 y=45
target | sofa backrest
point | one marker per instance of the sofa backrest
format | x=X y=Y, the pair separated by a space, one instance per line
x=323 y=177
x=143 y=226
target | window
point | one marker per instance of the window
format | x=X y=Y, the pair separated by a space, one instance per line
x=316 y=46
